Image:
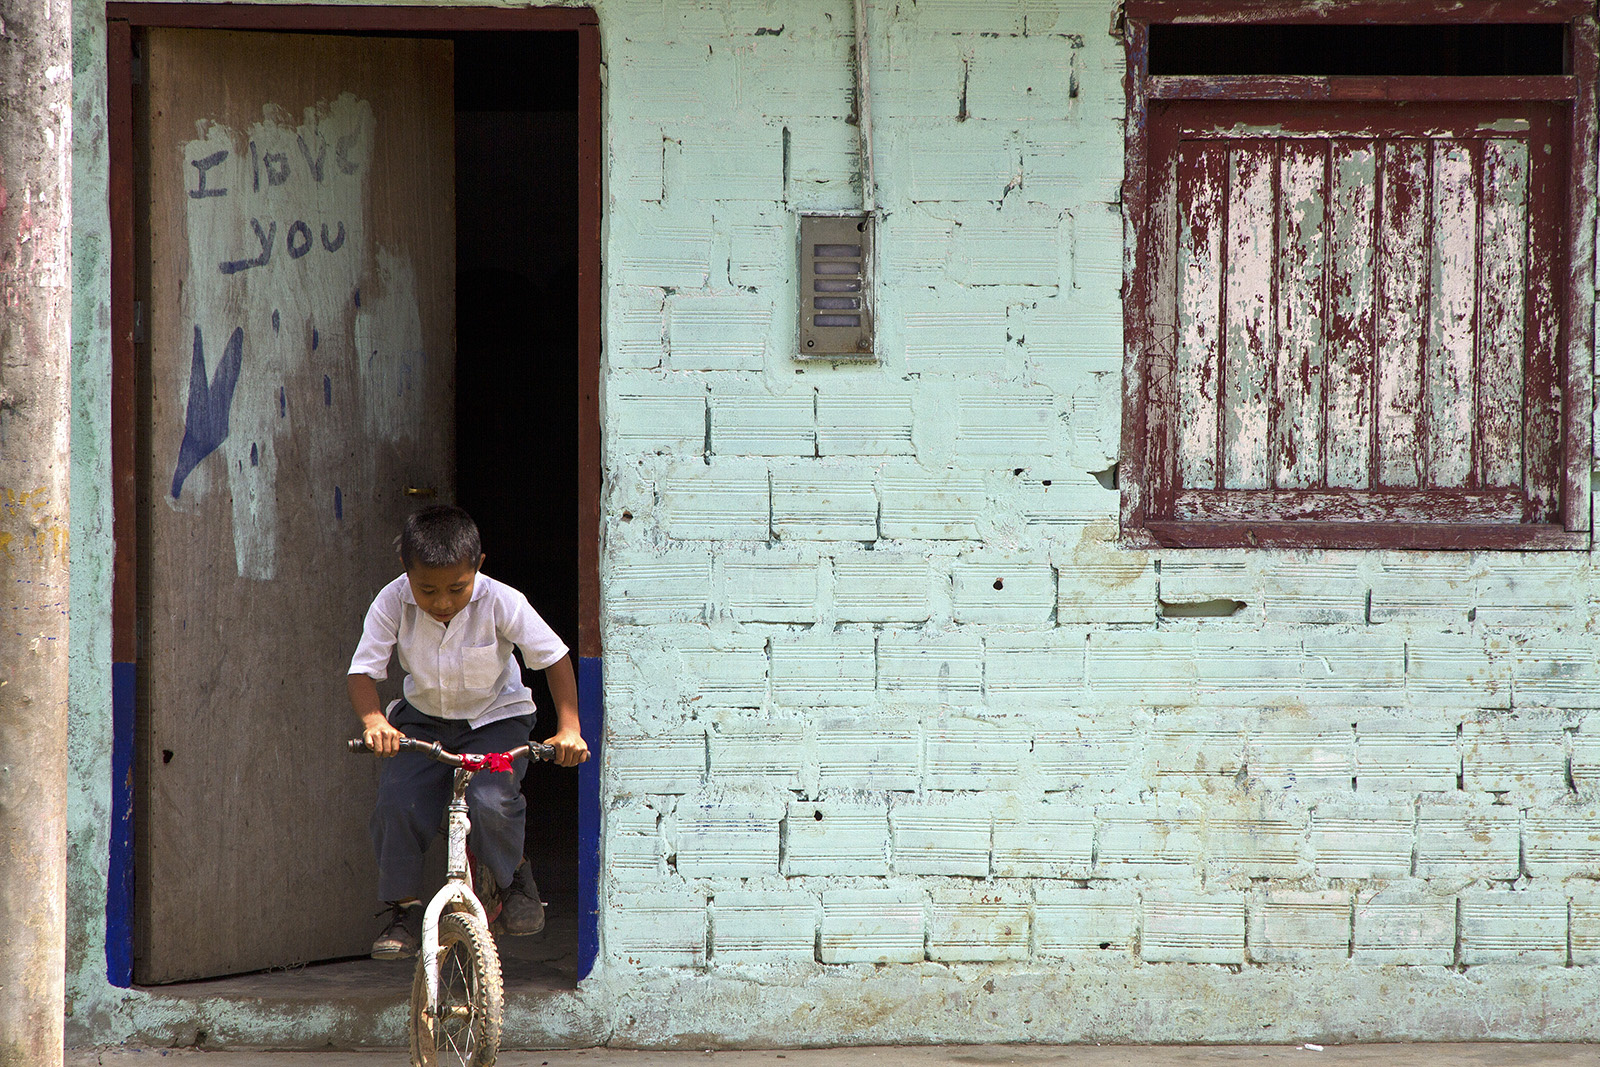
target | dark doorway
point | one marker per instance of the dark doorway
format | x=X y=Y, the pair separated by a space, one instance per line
x=517 y=369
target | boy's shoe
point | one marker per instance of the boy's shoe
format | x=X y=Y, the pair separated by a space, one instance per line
x=399 y=940
x=521 y=912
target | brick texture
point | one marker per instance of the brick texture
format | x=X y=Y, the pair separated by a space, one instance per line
x=887 y=683
x=949 y=838
x=727 y=840
x=872 y=926
x=978 y=925
x=1193 y=928
x=657 y=929
x=1404 y=926
x=828 y=837
x=763 y=926
x=1072 y=922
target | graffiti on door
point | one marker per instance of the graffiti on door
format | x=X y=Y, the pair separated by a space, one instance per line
x=280 y=246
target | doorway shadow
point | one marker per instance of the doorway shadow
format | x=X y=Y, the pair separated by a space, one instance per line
x=533 y=967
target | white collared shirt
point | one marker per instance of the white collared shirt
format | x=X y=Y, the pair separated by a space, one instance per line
x=464 y=670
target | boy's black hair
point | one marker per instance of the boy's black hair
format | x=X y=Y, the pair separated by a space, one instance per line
x=441 y=535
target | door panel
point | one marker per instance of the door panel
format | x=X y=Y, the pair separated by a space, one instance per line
x=299 y=376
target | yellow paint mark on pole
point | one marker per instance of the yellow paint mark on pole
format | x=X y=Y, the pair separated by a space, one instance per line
x=43 y=535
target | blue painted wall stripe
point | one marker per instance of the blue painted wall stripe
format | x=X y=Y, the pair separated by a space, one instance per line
x=592 y=721
x=119 y=882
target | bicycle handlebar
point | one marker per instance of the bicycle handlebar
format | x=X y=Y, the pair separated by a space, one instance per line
x=436 y=751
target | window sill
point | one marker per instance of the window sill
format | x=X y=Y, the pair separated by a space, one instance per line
x=1453 y=537
x=1318 y=87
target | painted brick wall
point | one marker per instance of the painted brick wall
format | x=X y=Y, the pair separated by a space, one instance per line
x=900 y=745
x=880 y=685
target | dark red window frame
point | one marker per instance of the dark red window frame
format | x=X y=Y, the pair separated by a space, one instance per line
x=1156 y=511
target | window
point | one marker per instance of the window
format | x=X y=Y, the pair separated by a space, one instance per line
x=1358 y=313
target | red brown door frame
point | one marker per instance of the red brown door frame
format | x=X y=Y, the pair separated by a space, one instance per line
x=122 y=20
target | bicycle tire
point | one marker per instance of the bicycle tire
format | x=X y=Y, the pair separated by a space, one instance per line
x=471 y=999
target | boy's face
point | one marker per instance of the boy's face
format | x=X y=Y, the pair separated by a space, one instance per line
x=443 y=591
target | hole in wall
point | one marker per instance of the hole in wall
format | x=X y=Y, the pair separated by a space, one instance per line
x=1220 y=608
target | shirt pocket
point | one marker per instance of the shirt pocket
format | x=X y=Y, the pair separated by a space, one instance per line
x=481 y=667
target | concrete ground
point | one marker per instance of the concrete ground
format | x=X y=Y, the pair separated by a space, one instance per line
x=1417 y=1055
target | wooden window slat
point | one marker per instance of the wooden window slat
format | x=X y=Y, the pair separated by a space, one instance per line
x=1351 y=259
x=1202 y=182
x=1502 y=288
x=1542 y=399
x=1301 y=347
x=1402 y=304
x=1247 y=334
x=1453 y=297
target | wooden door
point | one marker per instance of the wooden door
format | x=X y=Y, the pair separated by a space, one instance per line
x=298 y=377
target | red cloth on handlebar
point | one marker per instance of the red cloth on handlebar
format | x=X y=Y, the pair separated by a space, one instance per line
x=494 y=761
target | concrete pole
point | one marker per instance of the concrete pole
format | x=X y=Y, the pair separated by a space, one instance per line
x=35 y=391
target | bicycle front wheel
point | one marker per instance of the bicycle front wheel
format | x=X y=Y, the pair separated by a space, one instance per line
x=465 y=1031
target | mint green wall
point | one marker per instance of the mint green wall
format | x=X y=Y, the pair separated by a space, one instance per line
x=89 y=636
x=880 y=684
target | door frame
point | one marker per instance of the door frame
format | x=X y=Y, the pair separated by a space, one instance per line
x=122 y=19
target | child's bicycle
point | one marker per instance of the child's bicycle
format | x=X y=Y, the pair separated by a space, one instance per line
x=456 y=996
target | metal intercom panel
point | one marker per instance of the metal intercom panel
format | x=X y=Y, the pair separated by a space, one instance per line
x=836 y=286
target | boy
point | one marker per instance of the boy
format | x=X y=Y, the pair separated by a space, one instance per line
x=454 y=628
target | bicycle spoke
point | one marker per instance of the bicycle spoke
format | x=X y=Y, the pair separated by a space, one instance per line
x=457 y=1004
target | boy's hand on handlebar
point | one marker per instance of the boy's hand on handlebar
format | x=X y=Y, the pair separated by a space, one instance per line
x=570 y=747
x=382 y=738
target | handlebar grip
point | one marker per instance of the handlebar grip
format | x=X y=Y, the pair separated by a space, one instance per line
x=359 y=744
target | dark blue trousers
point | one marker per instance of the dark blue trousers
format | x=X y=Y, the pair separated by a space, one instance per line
x=413 y=792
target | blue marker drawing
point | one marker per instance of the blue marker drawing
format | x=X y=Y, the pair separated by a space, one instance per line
x=305 y=152
x=201 y=190
x=327 y=391
x=255 y=457
x=205 y=422
x=277 y=164
x=299 y=241
x=266 y=237
x=274 y=322
x=283 y=403
x=338 y=503
x=316 y=339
